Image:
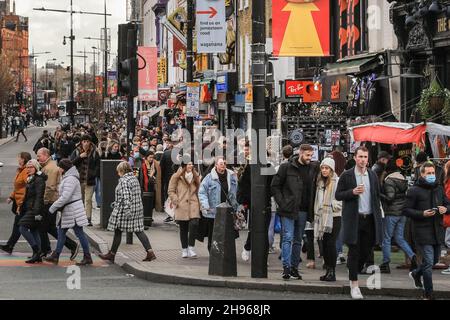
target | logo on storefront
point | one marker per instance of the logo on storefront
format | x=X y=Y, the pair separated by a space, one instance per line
x=294 y=88
x=335 y=90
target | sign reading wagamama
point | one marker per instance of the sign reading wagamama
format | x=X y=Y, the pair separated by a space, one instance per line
x=211 y=26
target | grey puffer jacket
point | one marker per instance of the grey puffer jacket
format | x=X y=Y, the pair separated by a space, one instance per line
x=393 y=195
x=70 y=197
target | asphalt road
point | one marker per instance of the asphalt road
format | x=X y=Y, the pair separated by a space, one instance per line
x=102 y=281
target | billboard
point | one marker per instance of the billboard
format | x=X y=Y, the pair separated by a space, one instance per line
x=301 y=29
x=112 y=83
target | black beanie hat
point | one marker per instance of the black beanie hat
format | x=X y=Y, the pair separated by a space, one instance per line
x=65 y=164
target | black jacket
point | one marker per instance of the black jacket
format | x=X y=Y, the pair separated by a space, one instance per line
x=111 y=156
x=33 y=203
x=350 y=206
x=393 y=196
x=65 y=149
x=93 y=164
x=420 y=197
x=244 y=191
x=287 y=187
x=440 y=175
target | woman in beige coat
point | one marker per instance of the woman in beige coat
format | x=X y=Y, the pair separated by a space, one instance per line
x=183 y=189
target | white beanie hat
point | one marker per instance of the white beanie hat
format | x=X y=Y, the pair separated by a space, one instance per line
x=35 y=164
x=328 y=162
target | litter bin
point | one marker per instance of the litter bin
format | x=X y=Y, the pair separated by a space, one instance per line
x=222 y=256
x=108 y=180
x=148 y=201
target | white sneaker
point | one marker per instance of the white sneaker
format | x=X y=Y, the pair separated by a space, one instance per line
x=446 y=271
x=184 y=253
x=245 y=255
x=192 y=253
x=1 y=164
x=356 y=293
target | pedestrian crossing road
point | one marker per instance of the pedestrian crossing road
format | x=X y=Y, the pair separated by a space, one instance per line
x=17 y=259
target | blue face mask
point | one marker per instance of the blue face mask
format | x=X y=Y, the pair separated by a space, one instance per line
x=430 y=179
x=136 y=155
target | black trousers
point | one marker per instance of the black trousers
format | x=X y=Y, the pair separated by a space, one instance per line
x=329 y=244
x=359 y=253
x=48 y=227
x=118 y=239
x=188 y=232
x=15 y=234
x=210 y=227
x=310 y=250
x=21 y=132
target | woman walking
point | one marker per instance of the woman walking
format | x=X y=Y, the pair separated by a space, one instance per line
x=327 y=216
x=73 y=214
x=16 y=198
x=183 y=193
x=128 y=213
x=32 y=208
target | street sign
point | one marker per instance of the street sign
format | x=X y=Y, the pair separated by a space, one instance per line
x=192 y=99
x=211 y=26
x=248 y=98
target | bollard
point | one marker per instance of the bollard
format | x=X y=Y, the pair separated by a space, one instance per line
x=129 y=237
x=148 y=200
x=108 y=181
x=222 y=257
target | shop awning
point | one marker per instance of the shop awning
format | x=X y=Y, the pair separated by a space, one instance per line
x=353 y=65
x=389 y=132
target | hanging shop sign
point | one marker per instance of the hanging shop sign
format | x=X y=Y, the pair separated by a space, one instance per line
x=192 y=99
x=179 y=54
x=443 y=26
x=312 y=40
x=162 y=71
x=307 y=90
x=148 y=76
x=335 y=88
x=163 y=94
x=211 y=26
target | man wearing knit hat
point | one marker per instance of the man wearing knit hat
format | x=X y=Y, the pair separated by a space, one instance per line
x=48 y=225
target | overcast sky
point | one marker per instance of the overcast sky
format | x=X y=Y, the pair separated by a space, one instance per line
x=47 y=29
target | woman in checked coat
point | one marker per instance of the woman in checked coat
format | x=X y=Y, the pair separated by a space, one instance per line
x=128 y=213
x=73 y=214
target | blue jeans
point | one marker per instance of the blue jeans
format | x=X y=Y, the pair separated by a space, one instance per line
x=98 y=192
x=32 y=236
x=431 y=255
x=271 y=233
x=340 y=242
x=292 y=231
x=80 y=235
x=394 y=226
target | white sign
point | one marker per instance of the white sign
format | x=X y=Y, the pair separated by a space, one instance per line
x=315 y=156
x=248 y=107
x=211 y=26
x=192 y=99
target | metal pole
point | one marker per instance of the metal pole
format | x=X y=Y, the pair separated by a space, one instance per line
x=93 y=81
x=105 y=80
x=259 y=196
x=72 y=89
x=84 y=78
x=190 y=56
x=46 y=76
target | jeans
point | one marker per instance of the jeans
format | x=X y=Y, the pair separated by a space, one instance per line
x=32 y=236
x=447 y=238
x=394 y=226
x=98 y=192
x=15 y=234
x=430 y=256
x=340 y=242
x=80 y=235
x=271 y=233
x=292 y=231
x=48 y=227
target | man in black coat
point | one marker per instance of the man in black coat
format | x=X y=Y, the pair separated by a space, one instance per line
x=426 y=204
x=359 y=190
x=293 y=188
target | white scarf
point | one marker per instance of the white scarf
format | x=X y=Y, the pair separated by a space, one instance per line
x=189 y=176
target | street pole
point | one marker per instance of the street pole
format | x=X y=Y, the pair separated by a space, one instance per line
x=190 y=57
x=72 y=89
x=84 y=76
x=105 y=79
x=259 y=195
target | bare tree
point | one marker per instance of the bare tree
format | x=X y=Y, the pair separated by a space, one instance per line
x=6 y=80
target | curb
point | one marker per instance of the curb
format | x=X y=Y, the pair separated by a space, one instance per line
x=139 y=271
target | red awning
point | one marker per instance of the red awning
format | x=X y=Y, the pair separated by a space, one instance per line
x=395 y=133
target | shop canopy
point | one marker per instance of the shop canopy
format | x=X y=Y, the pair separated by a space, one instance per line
x=389 y=132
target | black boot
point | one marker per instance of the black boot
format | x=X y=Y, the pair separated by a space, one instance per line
x=53 y=258
x=331 y=277
x=36 y=256
x=414 y=265
x=384 y=268
x=6 y=248
x=87 y=260
x=322 y=278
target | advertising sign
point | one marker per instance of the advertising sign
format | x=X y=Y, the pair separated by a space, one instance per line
x=192 y=99
x=148 y=86
x=211 y=26
x=301 y=29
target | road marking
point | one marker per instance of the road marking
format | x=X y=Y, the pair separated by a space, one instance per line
x=18 y=259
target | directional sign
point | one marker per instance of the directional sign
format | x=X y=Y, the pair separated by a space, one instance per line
x=211 y=26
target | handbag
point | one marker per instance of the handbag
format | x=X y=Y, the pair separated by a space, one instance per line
x=169 y=208
x=239 y=222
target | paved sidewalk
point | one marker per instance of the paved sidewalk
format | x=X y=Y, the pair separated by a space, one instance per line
x=169 y=267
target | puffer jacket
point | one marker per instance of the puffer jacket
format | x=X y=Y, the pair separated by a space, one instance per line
x=33 y=203
x=20 y=186
x=70 y=198
x=393 y=195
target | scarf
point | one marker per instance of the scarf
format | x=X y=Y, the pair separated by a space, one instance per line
x=148 y=173
x=323 y=209
x=189 y=176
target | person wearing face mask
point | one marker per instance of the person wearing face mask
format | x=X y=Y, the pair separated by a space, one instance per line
x=113 y=152
x=426 y=203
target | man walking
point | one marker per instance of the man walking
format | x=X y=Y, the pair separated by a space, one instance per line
x=48 y=223
x=20 y=126
x=426 y=204
x=359 y=190
x=293 y=188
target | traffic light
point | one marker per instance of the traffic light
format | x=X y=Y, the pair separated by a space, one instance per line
x=127 y=60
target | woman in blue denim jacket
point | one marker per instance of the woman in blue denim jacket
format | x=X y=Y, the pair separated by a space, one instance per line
x=217 y=187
